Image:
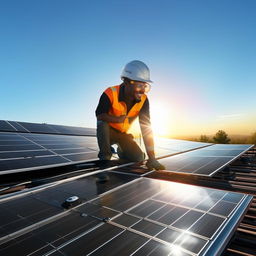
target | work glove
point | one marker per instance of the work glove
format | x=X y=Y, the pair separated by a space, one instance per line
x=154 y=164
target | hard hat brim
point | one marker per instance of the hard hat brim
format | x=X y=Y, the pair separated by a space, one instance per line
x=139 y=80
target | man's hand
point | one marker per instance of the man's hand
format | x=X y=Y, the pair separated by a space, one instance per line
x=154 y=164
x=121 y=118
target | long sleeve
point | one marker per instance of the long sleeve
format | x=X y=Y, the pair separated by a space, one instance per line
x=146 y=130
x=103 y=105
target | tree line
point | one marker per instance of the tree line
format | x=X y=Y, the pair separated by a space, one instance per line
x=223 y=138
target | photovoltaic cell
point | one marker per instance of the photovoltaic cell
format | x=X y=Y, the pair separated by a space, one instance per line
x=148 y=228
x=200 y=227
x=147 y=208
x=191 y=243
x=126 y=220
x=70 y=130
x=4 y=126
x=154 y=248
x=17 y=126
x=124 y=244
x=187 y=219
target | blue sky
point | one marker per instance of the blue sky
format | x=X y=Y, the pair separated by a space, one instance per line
x=57 y=56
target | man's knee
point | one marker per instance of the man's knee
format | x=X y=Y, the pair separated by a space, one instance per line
x=138 y=157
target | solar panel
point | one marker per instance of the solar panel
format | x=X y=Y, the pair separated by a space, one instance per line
x=206 y=161
x=14 y=126
x=164 y=147
x=141 y=217
x=26 y=151
x=173 y=213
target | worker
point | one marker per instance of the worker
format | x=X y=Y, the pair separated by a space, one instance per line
x=118 y=107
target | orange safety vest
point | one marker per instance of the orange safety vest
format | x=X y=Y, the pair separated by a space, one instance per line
x=119 y=108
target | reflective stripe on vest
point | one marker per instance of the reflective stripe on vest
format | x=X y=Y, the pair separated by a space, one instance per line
x=119 y=108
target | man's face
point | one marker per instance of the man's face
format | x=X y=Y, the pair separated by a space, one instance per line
x=138 y=89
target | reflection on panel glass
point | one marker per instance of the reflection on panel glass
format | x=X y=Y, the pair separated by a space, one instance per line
x=142 y=217
x=165 y=147
x=188 y=217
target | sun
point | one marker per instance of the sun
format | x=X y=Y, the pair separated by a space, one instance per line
x=160 y=116
x=160 y=119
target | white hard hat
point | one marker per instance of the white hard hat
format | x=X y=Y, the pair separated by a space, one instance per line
x=136 y=70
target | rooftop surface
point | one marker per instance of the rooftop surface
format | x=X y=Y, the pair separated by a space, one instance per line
x=202 y=204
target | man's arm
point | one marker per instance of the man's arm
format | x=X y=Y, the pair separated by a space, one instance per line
x=102 y=111
x=111 y=119
x=148 y=138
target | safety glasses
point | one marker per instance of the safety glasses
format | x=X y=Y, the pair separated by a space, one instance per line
x=140 y=85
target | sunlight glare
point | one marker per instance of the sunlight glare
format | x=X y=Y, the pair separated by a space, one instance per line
x=176 y=250
x=160 y=119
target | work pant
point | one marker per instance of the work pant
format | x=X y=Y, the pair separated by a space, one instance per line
x=127 y=148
